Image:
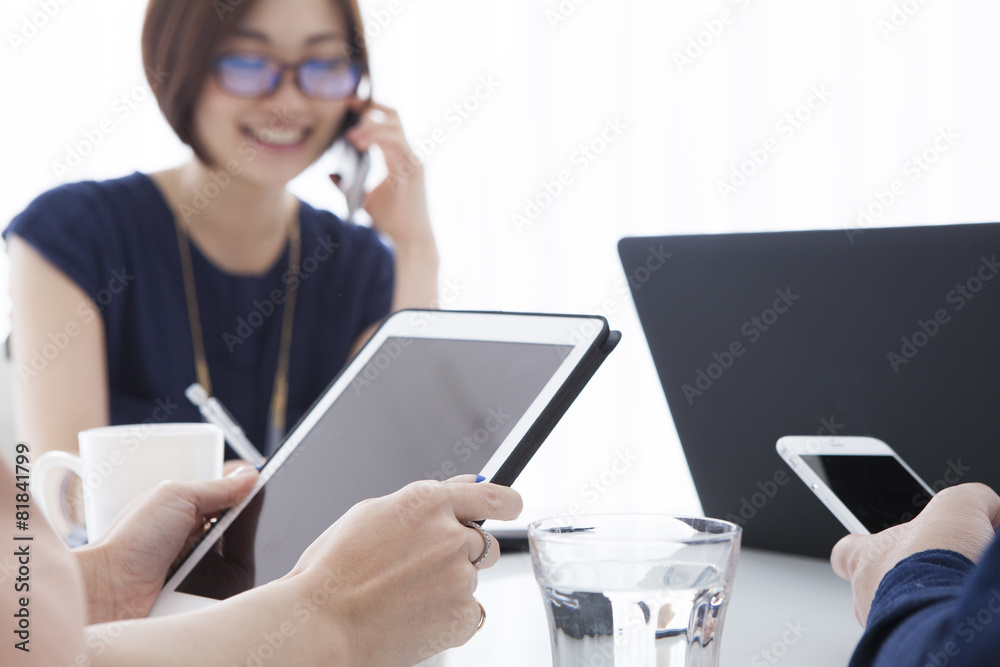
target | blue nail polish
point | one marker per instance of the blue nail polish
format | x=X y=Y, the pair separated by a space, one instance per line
x=480 y=478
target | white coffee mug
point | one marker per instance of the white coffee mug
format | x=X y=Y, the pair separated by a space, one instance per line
x=117 y=463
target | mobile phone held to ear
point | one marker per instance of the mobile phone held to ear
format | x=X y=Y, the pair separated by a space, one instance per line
x=350 y=172
x=351 y=168
x=866 y=485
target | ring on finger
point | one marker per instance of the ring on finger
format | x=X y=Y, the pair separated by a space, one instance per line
x=482 y=616
x=486 y=551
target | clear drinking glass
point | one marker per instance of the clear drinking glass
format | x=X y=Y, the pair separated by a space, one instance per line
x=634 y=590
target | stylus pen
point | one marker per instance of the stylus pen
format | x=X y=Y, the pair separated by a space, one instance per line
x=216 y=413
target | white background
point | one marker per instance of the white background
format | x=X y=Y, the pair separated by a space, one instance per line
x=893 y=73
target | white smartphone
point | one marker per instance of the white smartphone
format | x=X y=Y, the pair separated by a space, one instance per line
x=866 y=485
x=352 y=166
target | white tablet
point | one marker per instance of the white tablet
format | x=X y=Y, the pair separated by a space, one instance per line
x=866 y=485
x=432 y=395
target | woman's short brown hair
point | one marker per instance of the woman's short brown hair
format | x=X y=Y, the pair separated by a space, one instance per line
x=179 y=39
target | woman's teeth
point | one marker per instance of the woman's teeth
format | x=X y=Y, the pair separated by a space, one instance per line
x=279 y=137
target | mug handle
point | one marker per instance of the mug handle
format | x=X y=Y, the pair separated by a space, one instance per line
x=53 y=505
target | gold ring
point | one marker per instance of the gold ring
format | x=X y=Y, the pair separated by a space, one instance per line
x=482 y=616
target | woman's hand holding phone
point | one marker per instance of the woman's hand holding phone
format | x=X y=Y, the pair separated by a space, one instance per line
x=398 y=205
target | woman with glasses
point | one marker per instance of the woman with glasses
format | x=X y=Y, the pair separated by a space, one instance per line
x=127 y=291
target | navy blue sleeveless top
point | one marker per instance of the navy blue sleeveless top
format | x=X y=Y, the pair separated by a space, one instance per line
x=116 y=240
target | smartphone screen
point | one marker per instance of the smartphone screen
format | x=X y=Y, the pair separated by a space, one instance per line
x=878 y=490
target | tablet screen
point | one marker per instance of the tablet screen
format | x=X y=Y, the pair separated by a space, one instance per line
x=384 y=431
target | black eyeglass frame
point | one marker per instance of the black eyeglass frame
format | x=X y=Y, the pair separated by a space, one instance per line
x=277 y=71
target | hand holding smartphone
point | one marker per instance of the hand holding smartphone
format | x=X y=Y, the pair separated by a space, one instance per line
x=866 y=485
x=393 y=195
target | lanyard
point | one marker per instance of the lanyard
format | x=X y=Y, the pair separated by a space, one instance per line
x=279 y=394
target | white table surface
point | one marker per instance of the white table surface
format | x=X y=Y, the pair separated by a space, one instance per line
x=793 y=607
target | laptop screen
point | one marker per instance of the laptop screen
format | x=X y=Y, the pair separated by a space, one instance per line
x=890 y=333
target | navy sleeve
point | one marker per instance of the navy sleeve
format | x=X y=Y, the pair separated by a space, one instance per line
x=935 y=608
x=65 y=226
x=380 y=291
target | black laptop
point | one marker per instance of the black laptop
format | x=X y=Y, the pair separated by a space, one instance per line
x=892 y=333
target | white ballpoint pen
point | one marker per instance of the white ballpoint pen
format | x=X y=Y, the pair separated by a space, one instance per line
x=216 y=413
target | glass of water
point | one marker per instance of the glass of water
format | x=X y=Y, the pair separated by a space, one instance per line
x=634 y=590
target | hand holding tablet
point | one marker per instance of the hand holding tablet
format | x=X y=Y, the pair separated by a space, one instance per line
x=389 y=583
x=398 y=548
x=124 y=568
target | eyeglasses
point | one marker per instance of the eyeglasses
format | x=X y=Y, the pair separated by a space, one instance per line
x=255 y=76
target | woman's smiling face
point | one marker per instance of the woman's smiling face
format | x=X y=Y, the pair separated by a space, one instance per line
x=275 y=137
